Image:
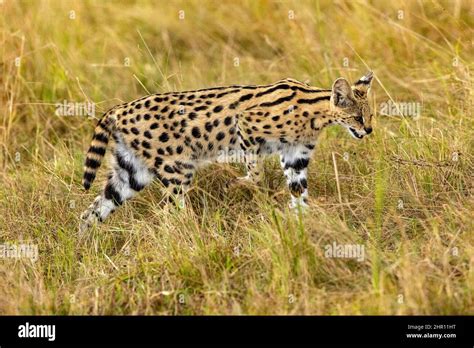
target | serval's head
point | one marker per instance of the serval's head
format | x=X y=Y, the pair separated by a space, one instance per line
x=351 y=105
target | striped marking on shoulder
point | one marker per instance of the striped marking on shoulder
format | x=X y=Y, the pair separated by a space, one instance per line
x=279 y=100
x=313 y=100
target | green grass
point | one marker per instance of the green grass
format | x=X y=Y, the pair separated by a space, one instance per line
x=405 y=191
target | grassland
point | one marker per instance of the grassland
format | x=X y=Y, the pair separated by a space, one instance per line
x=404 y=193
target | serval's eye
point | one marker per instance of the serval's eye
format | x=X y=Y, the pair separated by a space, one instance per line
x=359 y=119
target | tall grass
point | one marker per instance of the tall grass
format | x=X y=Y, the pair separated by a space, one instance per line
x=405 y=192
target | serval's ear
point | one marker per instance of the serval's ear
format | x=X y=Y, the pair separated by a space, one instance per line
x=364 y=83
x=342 y=93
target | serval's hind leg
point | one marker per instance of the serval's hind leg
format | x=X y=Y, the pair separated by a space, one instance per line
x=129 y=176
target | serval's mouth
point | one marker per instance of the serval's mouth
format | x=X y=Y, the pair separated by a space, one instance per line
x=356 y=134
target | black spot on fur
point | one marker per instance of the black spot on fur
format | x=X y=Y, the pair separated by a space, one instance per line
x=200 y=108
x=164 y=137
x=168 y=169
x=158 y=161
x=220 y=136
x=196 y=132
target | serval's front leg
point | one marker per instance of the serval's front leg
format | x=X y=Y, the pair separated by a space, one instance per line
x=294 y=162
